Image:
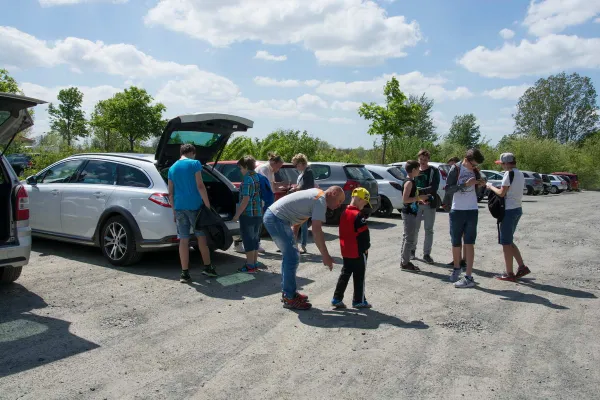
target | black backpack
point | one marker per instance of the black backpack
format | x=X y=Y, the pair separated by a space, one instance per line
x=497 y=204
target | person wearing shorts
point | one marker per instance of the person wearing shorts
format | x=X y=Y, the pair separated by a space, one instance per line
x=249 y=213
x=512 y=192
x=187 y=194
x=464 y=214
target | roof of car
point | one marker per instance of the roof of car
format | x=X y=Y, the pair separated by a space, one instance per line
x=229 y=162
x=334 y=163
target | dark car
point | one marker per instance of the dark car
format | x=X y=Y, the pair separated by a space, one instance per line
x=19 y=162
x=572 y=180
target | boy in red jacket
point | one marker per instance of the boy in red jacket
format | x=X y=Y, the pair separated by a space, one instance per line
x=355 y=242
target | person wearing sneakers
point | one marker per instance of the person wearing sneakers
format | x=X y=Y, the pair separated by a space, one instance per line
x=282 y=221
x=464 y=214
x=410 y=212
x=306 y=180
x=463 y=261
x=249 y=213
x=427 y=181
x=187 y=194
x=512 y=192
x=354 y=242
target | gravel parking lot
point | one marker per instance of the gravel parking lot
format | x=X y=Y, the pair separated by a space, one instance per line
x=76 y=327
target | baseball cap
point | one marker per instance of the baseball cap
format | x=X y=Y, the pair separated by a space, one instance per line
x=362 y=193
x=506 y=158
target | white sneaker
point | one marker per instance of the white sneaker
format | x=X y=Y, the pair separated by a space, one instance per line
x=455 y=276
x=261 y=249
x=465 y=282
x=239 y=247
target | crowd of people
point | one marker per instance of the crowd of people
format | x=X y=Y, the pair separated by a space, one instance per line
x=289 y=217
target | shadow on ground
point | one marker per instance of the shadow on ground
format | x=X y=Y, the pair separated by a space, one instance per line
x=380 y=225
x=28 y=341
x=359 y=319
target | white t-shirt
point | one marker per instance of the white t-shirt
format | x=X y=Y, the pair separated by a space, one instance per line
x=267 y=171
x=515 y=191
x=466 y=198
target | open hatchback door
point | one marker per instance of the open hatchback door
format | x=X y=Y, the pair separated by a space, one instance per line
x=208 y=132
x=14 y=117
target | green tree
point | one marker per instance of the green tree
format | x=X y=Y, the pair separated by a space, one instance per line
x=105 y=135
x=132 y=114
x=8 y=84
x=67 y=118
x=423 y=126
x=464 y=131
x=561 y=107
x=391 y=120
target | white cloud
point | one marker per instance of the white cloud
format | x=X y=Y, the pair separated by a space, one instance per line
x=345 y=32
x=427 y=52
x=265 y=55
x=507 y=92
x=549 y=54
x=507 y=34
x=51 y=3
x=552 y=16
x=266 y=81
x=597 y=20
x=345 y=121
x=312 y=83
x=311 y=101
x=413 y=82
x=345 y=105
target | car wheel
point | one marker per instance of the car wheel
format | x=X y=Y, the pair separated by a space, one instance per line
x=529 y=190
x=554 y=190
x=10 y=274
x=385 y=209
x=333 y=216
x=118 y=242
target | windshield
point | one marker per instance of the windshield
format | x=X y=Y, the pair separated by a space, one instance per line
x=358 y=172
x=537 y=176
x=398 y=173
x=204 y=139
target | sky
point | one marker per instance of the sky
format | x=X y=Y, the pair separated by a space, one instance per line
x=300 y=64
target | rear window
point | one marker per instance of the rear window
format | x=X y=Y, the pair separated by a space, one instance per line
x=358 y=172
x=376 y=175
x=321 y=171
x=4 y=115
x=398 y=173
x=231 y=172
x=287 y=175
x=445 y=168
x=132 y=177
x=537 y=176
x=526 y=175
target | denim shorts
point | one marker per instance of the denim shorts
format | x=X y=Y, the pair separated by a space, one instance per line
x=185 y=220
x=250 y=228
x=463 y=223
x=508 y=226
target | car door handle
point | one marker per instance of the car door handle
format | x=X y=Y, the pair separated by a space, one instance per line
x=54 y=192
x=99 y=194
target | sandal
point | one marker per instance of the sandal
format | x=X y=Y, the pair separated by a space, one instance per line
x=410 y=267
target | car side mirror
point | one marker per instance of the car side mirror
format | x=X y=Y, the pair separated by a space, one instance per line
x=32 y=180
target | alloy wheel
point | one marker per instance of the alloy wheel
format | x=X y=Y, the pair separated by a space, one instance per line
x=115 y=241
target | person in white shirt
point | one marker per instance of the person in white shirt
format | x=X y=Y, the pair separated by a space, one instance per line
x=512 y=192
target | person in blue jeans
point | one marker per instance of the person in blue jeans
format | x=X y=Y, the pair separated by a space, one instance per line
x=306 y=180
x=512 y=192
x=282 y=221
x=187 y=194
x=464 y=214
x=249 y=213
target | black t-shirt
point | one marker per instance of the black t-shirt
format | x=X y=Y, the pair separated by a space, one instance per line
x=422 y=180
x=411 y=208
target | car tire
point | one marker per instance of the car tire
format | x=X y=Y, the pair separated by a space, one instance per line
x=332 y=217
x=122 y=249
x=10 y=274
x=529 y=190
x=385 y=209
x=554 y=190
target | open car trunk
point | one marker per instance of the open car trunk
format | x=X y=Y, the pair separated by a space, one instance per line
x=5 y=205
x=209 y=133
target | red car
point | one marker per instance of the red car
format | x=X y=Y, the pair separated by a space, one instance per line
x=572 y=177
x=285 y=178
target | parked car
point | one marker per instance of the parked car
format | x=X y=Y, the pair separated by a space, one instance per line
x=533 y=183
x=572 y=179
x=349 y=177
x=390 y=181
x=119 y=202
x=546 y=182
x=285 y=179
x=495 y=178
x=559 y=184
x=19 y=162
x=15 y=233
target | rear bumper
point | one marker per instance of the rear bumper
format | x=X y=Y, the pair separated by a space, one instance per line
x=171 y=241
x=17 y=255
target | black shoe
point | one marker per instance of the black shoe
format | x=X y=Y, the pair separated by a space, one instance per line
x=463 y=264
x=185 y=276
x=427 y=258
x=209 y=270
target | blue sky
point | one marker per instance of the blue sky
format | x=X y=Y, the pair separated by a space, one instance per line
x=300 y=64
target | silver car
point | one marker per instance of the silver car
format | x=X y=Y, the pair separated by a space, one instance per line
x=119 y=202
x=15 y=233
x=495 y=178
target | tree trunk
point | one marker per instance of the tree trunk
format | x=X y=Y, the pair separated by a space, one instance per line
x=131 y=144
x=384 y=149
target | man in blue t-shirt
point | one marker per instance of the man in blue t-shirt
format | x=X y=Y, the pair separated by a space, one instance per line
x=187 y=193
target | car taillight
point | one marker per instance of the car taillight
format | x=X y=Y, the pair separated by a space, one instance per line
x=396 y=185
x=162 y=199
x=22 y=204
x=351 y=185
x=444 y=174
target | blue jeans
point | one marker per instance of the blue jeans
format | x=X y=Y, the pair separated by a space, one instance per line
x=282 y=235
x=250 y=231
x=463 y=223
x=185 y=221
x=508 y=226
x=304 y=234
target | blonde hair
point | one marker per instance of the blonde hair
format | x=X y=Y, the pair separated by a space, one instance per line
x=299 y=159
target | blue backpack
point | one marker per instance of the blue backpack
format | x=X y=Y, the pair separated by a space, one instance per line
x=266 y=193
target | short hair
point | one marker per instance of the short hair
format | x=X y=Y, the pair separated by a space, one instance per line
x=247 y=162
x=299 y=159
x=474 y=155
x=454 y=160
x=274 y=157
x=410 y=165
x=424 y=153
x=187 y=149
